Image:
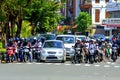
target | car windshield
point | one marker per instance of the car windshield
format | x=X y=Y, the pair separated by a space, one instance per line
x=66 y=39
x=53 y=44
x=99 y=36
x=48 y=37
x=82 y=38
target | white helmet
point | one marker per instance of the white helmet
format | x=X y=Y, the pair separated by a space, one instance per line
x=35 y=38
x=78 y=39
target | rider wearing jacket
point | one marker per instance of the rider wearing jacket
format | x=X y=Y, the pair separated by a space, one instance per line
x=79 y=45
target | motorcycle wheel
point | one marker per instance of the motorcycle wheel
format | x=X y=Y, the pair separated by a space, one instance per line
x=25 y=57
x=11 y=58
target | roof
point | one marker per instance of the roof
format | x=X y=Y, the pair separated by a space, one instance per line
x=66 y=35
x=53 y=40
x=80 y=36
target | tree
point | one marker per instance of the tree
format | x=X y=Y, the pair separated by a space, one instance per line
x=14 y=12
x=43 y=14
x=83 y=21
x=26 y=29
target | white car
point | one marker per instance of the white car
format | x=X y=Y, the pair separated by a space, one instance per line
x=53 y=50
x=69 y=42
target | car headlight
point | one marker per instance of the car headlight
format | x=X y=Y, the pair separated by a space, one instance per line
x=60 y=52
x=43 y=52
x=72 y=49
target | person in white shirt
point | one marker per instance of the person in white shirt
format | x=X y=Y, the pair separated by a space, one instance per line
x=91 y=51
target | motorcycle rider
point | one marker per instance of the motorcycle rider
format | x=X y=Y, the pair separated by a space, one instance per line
x=28 y=44
x=78 y=44
x=86 y=51
x=15 y=45
x=114 y=51
x=108 y=49
x=10 y=45
x=91 y=51
x=38 y=46
x=34 y=46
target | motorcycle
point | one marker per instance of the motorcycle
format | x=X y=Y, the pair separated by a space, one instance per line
x=77 y=58
x=37 y=53
x=10 y=54
x=26 y=55
x=100 y=55
x=33 y=49
x=114 y=54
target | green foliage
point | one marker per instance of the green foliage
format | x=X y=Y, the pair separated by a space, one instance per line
x=44 y=12
x=2 y=16
x=83 y=21
x=26 y=29
x=0 y=44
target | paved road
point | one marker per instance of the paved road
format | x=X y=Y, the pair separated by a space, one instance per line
x=60 y=71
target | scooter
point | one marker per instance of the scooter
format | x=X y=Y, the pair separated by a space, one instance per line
x=33 y=49
x=26 y=55
x=38 y=53
x=114 y=54
x=10 y=54
x=77 y=58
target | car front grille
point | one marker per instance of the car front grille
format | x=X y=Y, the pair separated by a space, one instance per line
x=51 y=58
x=67 y=49
x=51 y=52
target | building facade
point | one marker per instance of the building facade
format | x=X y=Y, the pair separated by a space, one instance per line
x=99 y=12
x=113 y=22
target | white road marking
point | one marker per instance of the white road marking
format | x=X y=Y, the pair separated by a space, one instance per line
x=11 y=63
x=67 y=64
x=106 y=65
x=19 y=63
x=112 y=63
x=29 y=63
x=96 y=65
x=116 y=66
x=108 y=62
x=77 y=64
x=38 y=63
x=48 y=63
x=87 y=65
x=57 y=64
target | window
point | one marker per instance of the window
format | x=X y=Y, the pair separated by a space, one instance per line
x=97 y=1
x=97 y=15
x=53 y=44
x=66 y=39
x=107 y=15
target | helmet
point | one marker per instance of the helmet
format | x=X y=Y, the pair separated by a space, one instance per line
x=35 y=38
x=78 y=39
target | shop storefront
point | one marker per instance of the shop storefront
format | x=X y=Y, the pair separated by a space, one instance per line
x=112 y=24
